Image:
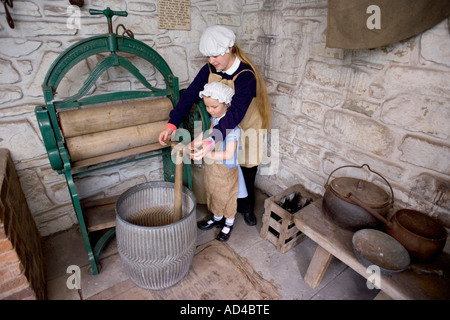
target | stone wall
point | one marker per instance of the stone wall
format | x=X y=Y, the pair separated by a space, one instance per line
x=387 y=107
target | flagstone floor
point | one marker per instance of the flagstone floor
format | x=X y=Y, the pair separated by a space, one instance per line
x=284 y=270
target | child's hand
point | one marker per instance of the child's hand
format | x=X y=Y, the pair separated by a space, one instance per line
x=207 y=145
x=177 y=147
x=196 y=143
x=165 y=135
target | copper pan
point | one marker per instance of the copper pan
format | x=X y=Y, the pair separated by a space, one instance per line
x=421 y=235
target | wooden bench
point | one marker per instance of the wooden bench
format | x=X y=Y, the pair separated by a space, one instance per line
x=334 y=241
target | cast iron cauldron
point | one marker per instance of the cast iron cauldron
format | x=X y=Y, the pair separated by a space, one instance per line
x=344 y=212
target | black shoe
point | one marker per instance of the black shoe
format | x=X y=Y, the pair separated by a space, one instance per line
x=224 y=236
x=249 y=218
x=204 y=225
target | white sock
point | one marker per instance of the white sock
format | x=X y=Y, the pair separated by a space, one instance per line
x=215 y=218
x=228 y=223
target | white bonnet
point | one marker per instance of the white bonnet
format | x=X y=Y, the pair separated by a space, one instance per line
x=219 y=91
x=216 y=41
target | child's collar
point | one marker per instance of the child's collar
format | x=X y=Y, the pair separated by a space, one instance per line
x=221 y=116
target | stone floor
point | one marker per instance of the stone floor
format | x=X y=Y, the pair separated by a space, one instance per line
x=284 y=270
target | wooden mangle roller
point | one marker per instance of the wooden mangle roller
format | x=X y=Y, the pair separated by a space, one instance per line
x=101 y=130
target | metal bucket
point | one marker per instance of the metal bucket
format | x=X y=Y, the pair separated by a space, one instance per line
x=155 y=253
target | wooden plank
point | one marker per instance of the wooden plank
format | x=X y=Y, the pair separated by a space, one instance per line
x=338 y=242
x=291 y=232
x=292 y=243
x=100 y=214
x=272 y=238
x=86 y=203
x=317 y=267
x=275 y=225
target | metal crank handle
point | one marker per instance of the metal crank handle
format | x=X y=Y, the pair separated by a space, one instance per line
x=108 y=12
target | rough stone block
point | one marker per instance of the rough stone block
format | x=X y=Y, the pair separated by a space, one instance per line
x=391 y=171
x=328 y=98
x=433 y=189
x=312 y=110
x=308 y=159
x=337 y=77
x=434 y=44
x=8 y=73
x=415 y=79
x=421 y=113
x=360 y=132
x=43 y=28
x=426 y=154
x=397 y=52
x=364 y=107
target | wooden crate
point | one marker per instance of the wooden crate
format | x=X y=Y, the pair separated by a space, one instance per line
x=278 y=224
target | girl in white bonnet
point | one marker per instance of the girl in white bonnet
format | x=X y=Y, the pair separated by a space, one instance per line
x=224 y=182
x=250 y=107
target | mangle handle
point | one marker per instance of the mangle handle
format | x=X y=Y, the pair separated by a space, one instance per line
x=108 y=13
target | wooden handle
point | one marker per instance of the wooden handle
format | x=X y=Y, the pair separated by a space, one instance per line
x=178 y=190
x=171 y=143
x=374 y=213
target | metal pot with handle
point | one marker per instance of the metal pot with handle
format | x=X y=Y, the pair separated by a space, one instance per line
x=344 y=212
x=421 y=235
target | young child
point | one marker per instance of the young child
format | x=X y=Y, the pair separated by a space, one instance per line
x=250 y=108
x=224 y=182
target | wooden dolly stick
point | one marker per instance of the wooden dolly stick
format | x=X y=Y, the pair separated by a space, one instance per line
x=178 y=189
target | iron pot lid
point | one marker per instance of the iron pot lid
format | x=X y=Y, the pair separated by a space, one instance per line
x=369 y=193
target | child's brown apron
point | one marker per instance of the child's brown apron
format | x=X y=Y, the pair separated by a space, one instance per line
x=221 y=187
x=221 y=198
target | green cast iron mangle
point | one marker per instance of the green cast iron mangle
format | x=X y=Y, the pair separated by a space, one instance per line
x=111 y=45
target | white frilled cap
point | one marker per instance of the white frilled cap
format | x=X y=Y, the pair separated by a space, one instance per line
x=219 y=91
x=216 y=41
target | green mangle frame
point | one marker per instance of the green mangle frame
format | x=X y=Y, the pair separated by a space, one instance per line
x=47 y=115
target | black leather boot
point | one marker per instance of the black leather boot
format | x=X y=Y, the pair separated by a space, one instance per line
x=250 y=218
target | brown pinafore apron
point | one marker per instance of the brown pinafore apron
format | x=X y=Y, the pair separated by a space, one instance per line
x=221 y=187
x=221 y=182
